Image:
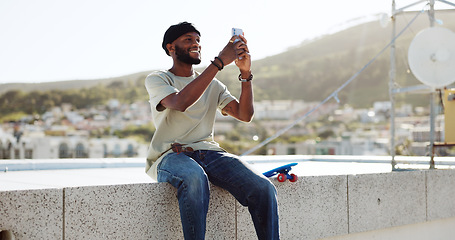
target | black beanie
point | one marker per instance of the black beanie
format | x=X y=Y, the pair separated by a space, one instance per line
x=175 y=31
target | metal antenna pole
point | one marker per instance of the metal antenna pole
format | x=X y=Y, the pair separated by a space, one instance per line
x=391 y=88
x=432 y=97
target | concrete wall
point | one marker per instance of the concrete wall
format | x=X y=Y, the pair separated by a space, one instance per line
x=32 y=214
x=368 y=206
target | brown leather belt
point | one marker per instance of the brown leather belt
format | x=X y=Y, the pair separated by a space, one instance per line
x=179 y=148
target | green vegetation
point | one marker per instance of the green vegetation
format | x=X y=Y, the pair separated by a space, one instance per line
x=142 y=133
x=12 y=117
x=38 y=102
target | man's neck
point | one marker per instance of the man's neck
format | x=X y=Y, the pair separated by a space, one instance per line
x=182 y=69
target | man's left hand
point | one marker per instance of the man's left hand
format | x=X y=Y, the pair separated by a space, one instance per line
x=243 y=60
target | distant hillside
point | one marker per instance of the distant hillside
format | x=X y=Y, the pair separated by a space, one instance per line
x=313 y=70
x=65 y=85
x=316 y=68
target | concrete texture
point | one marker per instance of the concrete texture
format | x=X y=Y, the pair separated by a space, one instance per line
x=139 y=211
x=314 y=207
x=440 y=194
x=386 y=200
x=438 y=230
x=311 y=208
x=32 y=214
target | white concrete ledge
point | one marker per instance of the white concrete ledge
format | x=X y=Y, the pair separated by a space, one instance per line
x=315 y=207
x=139 y=211
x=32 y=214
x=379 y=201
x=311 y=208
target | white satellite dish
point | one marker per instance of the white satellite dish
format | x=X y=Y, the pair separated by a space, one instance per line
x=431 y=57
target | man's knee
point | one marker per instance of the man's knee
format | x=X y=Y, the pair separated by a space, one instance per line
x=196 y=180
x=263 y=189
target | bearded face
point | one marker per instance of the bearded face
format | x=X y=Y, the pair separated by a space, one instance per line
x=184 y=55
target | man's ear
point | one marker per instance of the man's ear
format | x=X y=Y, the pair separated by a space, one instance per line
x=170 y=47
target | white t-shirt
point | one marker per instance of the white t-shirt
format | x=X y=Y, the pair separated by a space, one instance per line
x=193 y=127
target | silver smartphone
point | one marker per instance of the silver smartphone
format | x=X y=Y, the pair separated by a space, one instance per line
x=237 y=32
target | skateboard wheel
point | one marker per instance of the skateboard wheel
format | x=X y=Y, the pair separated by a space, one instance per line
x=294 y=178
x=281 y=177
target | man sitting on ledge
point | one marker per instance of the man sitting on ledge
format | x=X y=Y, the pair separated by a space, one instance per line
x=183 y=152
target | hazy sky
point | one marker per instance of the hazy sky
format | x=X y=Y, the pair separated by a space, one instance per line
x=53 y=40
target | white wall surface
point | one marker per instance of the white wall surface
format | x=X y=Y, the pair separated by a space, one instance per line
x=396 y=205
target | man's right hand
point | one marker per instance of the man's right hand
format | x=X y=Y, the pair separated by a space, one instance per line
x=228 y=54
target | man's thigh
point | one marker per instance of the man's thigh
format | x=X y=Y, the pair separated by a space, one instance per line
x=228 y=171
x=226 y=165
x=175 y=168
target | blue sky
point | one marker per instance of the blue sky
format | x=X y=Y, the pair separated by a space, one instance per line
x=54 y=40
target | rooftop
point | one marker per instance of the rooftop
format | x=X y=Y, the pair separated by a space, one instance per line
x=59 y=173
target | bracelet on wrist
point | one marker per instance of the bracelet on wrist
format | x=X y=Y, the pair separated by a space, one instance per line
x=247 y=79
x=222 y=63
x=218 y=66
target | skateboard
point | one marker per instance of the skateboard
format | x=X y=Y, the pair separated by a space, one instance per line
x=283 y=173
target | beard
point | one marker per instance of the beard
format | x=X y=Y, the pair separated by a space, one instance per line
x=185 y=57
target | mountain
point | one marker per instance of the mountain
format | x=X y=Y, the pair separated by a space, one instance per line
x=66 y=85
x=315 y=68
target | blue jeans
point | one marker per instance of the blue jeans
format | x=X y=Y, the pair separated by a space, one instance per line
x=190 y=173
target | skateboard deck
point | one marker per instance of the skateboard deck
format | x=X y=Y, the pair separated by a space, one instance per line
x=283 y=173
